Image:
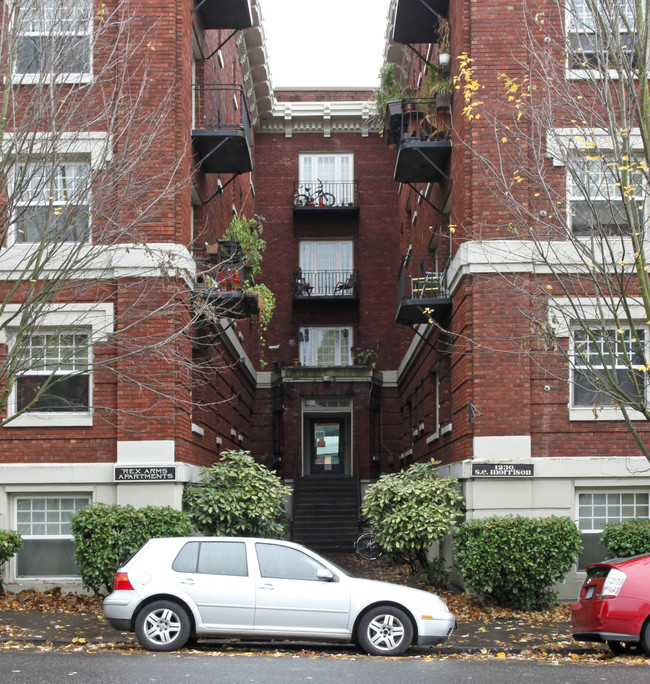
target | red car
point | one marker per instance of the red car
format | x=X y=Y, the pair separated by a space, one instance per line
x=615 y=605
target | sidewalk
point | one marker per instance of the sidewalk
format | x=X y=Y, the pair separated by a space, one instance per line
x=499 y=635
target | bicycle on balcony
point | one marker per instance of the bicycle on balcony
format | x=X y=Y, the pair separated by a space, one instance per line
x=317 y=198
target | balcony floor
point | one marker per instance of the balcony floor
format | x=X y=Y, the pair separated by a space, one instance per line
x=232 y=153
x=411 y=311
x=422 y=161
x=225 y=14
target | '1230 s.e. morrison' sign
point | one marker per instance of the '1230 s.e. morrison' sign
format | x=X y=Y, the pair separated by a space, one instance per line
x=145 y=473
x=503 y=470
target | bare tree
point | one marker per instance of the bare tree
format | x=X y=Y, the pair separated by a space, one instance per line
x=92 y=278
x=563 y=141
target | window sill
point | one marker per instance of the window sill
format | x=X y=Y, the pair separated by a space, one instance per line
x=46 y=79
x=51 y=420
x=605 y=414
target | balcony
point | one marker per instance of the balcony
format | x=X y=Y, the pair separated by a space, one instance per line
x=325 y=286
x=340 y=198
x=222 y=129
x=416 y=21
x=225 y=14
x=222 y=282
x=421 y=285
x=422 y=133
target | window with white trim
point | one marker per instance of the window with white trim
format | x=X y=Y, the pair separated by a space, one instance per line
x=597 y=354
x=53 y=201
x=600 y=508
x=334 y=171
x=326 y=346
x=596 y=197
x=591 y=35
x=48 y=546
x=326 y=264
x=54 y=38
x=55 y=375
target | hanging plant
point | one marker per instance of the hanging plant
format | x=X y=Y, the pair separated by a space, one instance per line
x=248 y=233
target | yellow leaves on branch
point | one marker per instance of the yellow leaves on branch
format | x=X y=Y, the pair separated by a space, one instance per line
x=516 y=92
x=466 y=82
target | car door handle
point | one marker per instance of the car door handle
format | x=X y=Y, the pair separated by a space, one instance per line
x=189 y=581
x=267 y=587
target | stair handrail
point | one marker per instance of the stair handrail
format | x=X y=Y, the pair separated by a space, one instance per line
x=297 y=471
x=358 y=482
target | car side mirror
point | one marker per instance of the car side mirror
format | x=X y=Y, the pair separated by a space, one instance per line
x=325 y=575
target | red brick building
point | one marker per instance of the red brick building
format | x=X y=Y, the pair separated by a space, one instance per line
x=396 y=337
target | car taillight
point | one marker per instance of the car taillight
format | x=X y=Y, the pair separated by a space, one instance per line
x=122 y=583
x=613 y=583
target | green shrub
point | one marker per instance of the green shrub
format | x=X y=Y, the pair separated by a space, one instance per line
x=628 y=538
x=412 y=509
x=106 y=536
x=238 y=497
x=10 y=544
x=513 y=560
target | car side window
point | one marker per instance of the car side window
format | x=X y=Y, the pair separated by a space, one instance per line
x=282 y=562
x=187 y=557
x=212 y=558
x=223 y=558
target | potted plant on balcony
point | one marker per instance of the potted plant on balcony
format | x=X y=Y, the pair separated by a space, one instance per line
x=247 y=232
x=444 y=46
x=388 y=97
x=439 y=85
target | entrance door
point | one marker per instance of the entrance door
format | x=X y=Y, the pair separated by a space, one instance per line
x=326 y=446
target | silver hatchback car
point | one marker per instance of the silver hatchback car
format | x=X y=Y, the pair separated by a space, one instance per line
x=174 y=589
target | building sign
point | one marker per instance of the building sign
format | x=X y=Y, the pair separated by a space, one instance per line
x=503 y=470
x=145 y=474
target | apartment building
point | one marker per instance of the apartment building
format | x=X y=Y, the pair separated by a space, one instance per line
x=407 y=283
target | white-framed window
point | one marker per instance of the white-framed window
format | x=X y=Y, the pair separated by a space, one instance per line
x=54 y=39
x=334 y=171
x=590 y=36
x=326 y=264
x=62 y=346
x=595 y=195
x=599 y=353
x=56 y=376
x=326 y=346
x=596 y=509
x=44 y=524
x=53 y=202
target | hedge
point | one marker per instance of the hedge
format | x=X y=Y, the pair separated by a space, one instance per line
x=106 y=536
x=514 y=561
x=627 y=538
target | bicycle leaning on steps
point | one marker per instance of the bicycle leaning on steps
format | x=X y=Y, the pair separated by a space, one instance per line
x=368 y=548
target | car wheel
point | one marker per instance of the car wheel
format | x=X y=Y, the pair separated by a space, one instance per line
x=385 y=630
x=162 y=626
x=624 y=647
x=645 y=637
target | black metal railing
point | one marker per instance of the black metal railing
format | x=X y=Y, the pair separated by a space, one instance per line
x=221 y=108
x=325 y=283
x=417 y=119
x=326 y=194
x=421 y=277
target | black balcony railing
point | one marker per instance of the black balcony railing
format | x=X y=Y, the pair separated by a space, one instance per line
x=314 y=284
x=421 y=290
x=222 y=128
x=328 y=196
x=422 y=133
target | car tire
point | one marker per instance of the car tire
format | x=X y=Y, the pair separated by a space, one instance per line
x=163 y=626
x=385 y=630
x=645 y=637
x=620 y=648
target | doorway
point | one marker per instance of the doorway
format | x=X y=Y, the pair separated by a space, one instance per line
x=327 y=442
